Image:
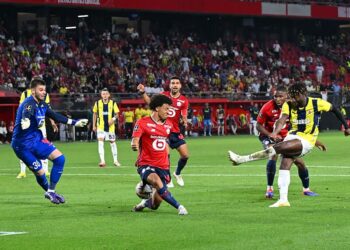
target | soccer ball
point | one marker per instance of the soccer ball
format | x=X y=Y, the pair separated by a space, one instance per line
x=144 y=191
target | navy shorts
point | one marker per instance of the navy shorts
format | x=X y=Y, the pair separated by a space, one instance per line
x=176 y=140
x=145 y=171
x=266 y=141
x=32 y=156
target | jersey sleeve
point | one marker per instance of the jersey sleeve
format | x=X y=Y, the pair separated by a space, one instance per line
x=115 y=108
x=323 y=105
x=285 y=109
x=28 y=110
x=22 y=97
x=56 y=116
x=138 y=129
x=47 y=99
x=94 y=109
x=184 y=109
x=262 y=116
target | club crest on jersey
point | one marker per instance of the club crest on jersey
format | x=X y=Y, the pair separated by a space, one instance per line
x=29 y=107
x=178 y=103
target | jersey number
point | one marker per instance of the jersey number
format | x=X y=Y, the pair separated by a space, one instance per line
x=159 y=144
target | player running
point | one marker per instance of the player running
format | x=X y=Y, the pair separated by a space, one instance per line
x=29 y=144
x=177 y=115
x=268 y=115
x=304 y=115
x=149 y=138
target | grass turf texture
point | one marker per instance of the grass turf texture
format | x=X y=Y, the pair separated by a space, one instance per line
x=227 y=208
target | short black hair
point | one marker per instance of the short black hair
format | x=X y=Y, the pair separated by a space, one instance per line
x=104 y=89
x=159 y=100
x=281 y=88
x=36 y=81
x=175 y=78
x=296 y=89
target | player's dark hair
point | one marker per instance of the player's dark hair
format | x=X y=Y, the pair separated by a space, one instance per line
x=159 y=100
x=175 y=78
x=104 y=89
x=281 y=88
x=36 y=81
x=296 y=89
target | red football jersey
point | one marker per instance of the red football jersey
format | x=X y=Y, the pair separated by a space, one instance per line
x=268 y=115
x=177 y=110
x=153 y=143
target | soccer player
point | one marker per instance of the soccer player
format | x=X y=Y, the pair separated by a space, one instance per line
x=207 y=119
x=177 y=115
x=149 y=138
x=45 y=162
x=268 y=115
x=220 y=115
x=29 y=144
x=129 y=116
x=105 y=113
x=304 y=114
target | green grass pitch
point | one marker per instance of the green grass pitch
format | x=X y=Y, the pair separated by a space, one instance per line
x=226 y=205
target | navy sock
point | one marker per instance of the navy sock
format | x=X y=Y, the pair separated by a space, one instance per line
x=270 y=172
x=304 y=177
x=166 y=195
x=180 y=165
x=56 y=171
x=42 y=181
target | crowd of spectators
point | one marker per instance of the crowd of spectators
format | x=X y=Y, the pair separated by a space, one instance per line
x=119 y=61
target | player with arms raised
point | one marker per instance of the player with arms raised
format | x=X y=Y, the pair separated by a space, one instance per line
x=29 y=144
x=177 y=114
x=149 y=138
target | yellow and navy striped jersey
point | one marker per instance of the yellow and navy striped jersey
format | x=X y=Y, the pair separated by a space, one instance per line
x=28 y=92
x=105 y=112
x=305 y=121
x=129 y=116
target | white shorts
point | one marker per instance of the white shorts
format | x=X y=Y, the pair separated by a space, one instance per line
x=307 y=146
x=107 y=136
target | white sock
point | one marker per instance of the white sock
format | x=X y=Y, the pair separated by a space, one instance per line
x=23 y=167
x=283 y=184
x=51 y=190
x=264 y=154
x=114 y=151
x=45 y=164
x=101 y=150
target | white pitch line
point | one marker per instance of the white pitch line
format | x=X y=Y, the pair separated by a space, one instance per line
x=203 y=175
x=11 y=233
x=200 y=166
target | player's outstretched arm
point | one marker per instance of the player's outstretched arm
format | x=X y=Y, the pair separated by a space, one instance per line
x=262 y=130
x=142 y=92
x=320 y=146
x=62 y=119
x=341 y=118
x=280 y=123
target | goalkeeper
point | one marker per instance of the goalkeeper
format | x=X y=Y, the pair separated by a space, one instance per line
x=29 y=144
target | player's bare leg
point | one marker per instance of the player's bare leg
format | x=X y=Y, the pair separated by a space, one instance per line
x=184 y=155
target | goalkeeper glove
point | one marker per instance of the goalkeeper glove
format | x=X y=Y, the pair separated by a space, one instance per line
x=25 y=123
x=81 y=123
